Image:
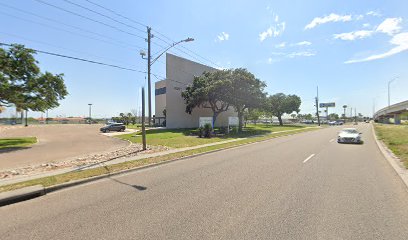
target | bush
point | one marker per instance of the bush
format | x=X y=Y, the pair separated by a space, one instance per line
x=207 y=130
x=234 y=130
x=200 y=132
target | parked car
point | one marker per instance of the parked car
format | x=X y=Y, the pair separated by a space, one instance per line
x=119 y=127
x=349 y=135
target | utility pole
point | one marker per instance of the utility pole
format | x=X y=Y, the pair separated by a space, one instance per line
x=317 y=106
x=90 y=112
x=143 y=120
x=149 y=87
x=26 y=118
x=355 y=114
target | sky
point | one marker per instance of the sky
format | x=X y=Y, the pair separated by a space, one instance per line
x=349 y=49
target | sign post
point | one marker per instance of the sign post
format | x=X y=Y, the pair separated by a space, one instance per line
x=327 y=105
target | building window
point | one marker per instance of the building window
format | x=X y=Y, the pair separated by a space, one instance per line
x=160 y=91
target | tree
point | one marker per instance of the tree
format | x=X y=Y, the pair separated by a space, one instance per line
x=279 y=104
x=22 y=83
x=253 y=114
x=246 y=91
x=334 y=116
x=210 y=90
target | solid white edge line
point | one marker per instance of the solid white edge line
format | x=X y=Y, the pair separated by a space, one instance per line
x=307 y=159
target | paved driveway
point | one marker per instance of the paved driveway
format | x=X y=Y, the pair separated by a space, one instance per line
x=56 y=143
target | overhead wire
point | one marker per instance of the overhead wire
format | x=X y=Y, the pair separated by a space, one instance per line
x=88 y=18
x=116 y=41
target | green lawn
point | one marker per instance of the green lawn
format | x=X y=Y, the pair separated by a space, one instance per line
x=16 y=142
x=396 y=139
x=179 y=138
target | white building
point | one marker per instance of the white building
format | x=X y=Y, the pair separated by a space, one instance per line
x=180 y=73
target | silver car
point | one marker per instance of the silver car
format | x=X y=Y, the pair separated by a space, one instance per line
x=349 y=135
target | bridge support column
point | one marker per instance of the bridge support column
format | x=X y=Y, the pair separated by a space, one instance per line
x=397 y=119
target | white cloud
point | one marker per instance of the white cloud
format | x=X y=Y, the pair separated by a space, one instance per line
x=300 y=54
x=401 y=42
x=373 y=13
x=330 y=18
x=359 y=17
x=276 y=18
x=366 y=25
x=273 y=31
x=350 y=36
x=280 y=45
x=303 y=43
x=390 y=26
x=294 y=54
x=222 y=37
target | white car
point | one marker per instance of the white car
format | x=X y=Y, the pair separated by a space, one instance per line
x=349 y=135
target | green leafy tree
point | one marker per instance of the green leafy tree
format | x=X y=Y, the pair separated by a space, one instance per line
x=209 y=90
x=246 y=91
x=333 y=116
x=253 y=114
x=279 y=104
x=22 y=83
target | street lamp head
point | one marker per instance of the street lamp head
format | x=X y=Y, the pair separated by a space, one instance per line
x=188 y=39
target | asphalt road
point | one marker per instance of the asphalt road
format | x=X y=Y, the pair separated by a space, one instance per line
x=261 y=191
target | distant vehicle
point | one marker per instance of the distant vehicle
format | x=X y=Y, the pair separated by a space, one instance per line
x=119 y=127
x=367 y=121
x=332 y=123
x=349 y=135
x=336 y=123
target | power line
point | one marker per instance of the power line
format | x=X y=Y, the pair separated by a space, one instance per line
x=88 y=18
x=117 y=14
x=56 y=46
x=73 y=33
x=69 y=25
x=78 y=59
x=103 y=15
x=141 y=24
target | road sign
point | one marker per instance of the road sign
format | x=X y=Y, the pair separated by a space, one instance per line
x=233 y=121
x=205 y=120
x=326 y=105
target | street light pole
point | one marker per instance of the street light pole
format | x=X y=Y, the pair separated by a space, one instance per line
x=149 y=65
x=90 y=112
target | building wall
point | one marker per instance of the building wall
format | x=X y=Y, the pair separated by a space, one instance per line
x=180 y=72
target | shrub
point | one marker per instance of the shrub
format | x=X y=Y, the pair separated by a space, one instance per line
x=207 y=130
x=200 y=132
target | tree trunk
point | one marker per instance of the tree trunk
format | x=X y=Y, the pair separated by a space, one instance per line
x=215 y=115
x=280 y=120
x=240 y=121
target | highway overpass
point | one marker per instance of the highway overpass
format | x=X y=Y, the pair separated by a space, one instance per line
x=392 y=112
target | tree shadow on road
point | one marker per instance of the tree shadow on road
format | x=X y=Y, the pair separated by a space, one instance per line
x=137 y=187
x=12 y=149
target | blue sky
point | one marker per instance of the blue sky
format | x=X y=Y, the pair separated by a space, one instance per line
x=350 y=49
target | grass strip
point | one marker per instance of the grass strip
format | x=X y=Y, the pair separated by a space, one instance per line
x=9 y=143
x=396 y=139
x=76 y=175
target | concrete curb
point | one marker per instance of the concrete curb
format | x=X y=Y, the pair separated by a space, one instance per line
x=392 y=159
x=22 y=194
x=38 y=190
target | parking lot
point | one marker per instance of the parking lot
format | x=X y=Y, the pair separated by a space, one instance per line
x=56 y=143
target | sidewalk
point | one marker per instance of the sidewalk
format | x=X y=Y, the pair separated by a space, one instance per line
x=124 y=159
